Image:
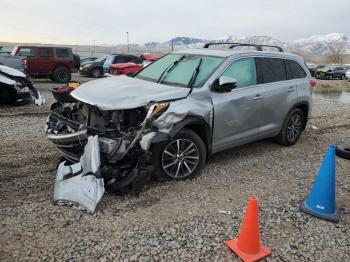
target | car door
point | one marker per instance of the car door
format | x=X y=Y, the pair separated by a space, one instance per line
x=236 y=113
x=30 y=53
x=280 y=94
x=45 y=59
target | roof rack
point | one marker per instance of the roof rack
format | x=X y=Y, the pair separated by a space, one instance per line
x=257 y=46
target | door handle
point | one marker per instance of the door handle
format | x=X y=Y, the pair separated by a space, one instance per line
x=258 y=97
x=291 y=89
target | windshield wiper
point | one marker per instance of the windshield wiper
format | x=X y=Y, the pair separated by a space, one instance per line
x=168 y=68
x=195 y=74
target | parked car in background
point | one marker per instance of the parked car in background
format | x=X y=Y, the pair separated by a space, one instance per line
x=312 y=68
x=16 y=88
x=87 y=59
x=57 y=63
x=132 y=68
x=124 y=68
x=119 y=58
x=347 y=75
x=93 y=68
x=147 y=59
x=175 y=113
x=331 y=72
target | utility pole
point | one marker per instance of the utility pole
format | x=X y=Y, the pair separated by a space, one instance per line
x=127 y=41
x=93 y=49
x=172 y=45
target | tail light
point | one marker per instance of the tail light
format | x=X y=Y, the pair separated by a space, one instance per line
x=24 y=62
x=313 y=83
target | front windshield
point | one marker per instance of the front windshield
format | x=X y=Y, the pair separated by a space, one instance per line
x=178 y=69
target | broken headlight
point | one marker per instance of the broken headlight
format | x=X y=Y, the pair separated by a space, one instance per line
x=157 y=109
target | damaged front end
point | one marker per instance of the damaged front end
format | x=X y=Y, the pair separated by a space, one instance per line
x=102 y=150
x=17 y=88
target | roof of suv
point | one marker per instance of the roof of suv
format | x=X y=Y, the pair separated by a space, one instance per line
x=231 y=52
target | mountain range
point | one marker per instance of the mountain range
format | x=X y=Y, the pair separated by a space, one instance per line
x=314 y=45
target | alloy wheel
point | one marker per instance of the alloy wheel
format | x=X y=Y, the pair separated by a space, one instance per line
x=180 y=158
x=294 y=127
x=63 y=76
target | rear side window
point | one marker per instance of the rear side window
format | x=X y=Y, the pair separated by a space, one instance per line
x=294 y=70
x=45 y=52
x=270 y=70
x=62 y=52
x=243 y=70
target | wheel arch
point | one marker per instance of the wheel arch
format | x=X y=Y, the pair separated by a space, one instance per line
x=195 y=123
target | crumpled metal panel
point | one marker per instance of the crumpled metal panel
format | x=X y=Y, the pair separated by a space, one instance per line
x=80 y=183
x=122 y=92
x=194 y=105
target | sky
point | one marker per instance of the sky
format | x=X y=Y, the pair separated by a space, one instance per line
x=107 y=21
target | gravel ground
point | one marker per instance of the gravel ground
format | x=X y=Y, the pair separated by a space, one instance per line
x=173 y=221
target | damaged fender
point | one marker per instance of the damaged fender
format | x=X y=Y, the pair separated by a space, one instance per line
x=81 y=183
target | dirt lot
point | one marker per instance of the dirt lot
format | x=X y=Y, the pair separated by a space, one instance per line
x=173 y=221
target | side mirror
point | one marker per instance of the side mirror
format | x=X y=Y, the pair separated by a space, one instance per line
x=224 y=84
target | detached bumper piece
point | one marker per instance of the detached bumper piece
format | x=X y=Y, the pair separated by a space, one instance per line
x=81 y=184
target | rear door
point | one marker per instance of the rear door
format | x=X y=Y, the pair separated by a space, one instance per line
x=236 y=112
x=280 y=93
x=45 y=59
x=63 y=57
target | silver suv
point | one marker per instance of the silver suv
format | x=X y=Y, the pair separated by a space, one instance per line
x=171 y=116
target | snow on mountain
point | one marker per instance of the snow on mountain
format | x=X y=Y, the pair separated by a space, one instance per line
x=320 y=44
x=314 y=45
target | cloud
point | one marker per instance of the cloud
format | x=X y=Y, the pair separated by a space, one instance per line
x=81 y=21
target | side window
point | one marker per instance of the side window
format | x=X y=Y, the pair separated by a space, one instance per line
x=270 y=70
x=26 y=51
x=121 y=59
x=134 y=59
x=294 y=70
x=62 y=52
x=45 y=52
x=243 y=70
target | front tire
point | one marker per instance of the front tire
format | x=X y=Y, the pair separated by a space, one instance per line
x=182 y=157
x=292 y=128
x=96 y=72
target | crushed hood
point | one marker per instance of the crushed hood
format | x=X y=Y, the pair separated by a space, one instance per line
x=122 y=92
x=11 y=71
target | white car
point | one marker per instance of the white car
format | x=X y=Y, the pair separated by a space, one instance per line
x=347 y=75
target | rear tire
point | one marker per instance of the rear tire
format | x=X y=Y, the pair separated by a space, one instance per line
x=182 y=157
x=292 y=128
x=61 y=75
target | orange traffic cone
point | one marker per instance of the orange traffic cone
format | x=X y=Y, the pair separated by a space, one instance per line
x=247 y=245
